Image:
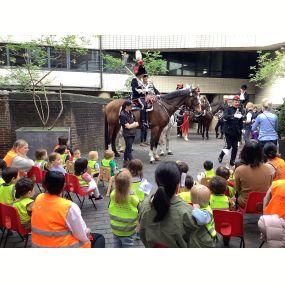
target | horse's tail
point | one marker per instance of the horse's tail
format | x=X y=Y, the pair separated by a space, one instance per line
x=106 y=132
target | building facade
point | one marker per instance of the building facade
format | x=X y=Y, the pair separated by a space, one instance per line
x=219 y=64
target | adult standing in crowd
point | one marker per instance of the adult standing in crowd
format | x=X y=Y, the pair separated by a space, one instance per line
x=267 y=122
x=244 y=97
x=232 y=129
x=248 y=121
x=129 y=125
x=165 y=219
x=17 y=157
x=57 y=222
x=253 y=174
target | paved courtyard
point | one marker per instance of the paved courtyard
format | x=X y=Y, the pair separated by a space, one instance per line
x=194 y=152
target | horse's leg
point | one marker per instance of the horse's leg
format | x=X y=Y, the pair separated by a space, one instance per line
x=158 y=134
x=203 y=130
x=152 y=143
x=169 y=152
x=155 y=134
x=114 y=136
x=161 y=143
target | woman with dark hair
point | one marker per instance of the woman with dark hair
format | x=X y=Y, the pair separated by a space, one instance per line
x=165 y=219
x=253 y=174
x=129 y=125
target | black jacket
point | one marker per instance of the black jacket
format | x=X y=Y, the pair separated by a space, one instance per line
x=232 y=125
x=125 y=118
x=137 y=89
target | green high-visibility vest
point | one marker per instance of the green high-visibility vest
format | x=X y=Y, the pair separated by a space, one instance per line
x=210 y=226
x=82 y=182
x=186 y=196
x=40 y=163
x=219 y=202
x=123 y=217
x=63 y=158
x=92 y=164
x=7 y=193
x=209 y=173
x=1 y=181
x=232 y=191
x=21 y=206
x=135 y=188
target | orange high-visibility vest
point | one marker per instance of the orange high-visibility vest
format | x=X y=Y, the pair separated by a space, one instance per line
x=48 y=223
x=279 y=165
x=277 y=202
x=9 y=160
x=9 y=157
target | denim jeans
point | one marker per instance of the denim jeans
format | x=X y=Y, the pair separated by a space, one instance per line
x=123 y=242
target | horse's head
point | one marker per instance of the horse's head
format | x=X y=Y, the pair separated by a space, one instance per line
x=194 y=100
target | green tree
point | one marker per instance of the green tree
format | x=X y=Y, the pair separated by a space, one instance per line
x=30 y=75
x=270 y=66
x=281 y=120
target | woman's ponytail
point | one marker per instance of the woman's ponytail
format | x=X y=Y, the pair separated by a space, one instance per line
x=161 y=203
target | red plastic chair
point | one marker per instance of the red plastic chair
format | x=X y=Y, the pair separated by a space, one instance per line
x=72 y=185
x=11 y=221
x=254 y=204
x=229 y=224
x=36 y=175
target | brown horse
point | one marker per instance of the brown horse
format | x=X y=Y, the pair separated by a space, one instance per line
x=205 y=120
x=163 y=109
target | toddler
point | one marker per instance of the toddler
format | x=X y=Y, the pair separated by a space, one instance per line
x=55 y=164
x=3 y=165
x=7 y=189
x=109 y=161
x=93 y=164
x=186 y=195
x=41 y=158
x=183 y=167
x=209 y=171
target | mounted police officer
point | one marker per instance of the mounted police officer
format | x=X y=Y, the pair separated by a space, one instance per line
x=232 y=129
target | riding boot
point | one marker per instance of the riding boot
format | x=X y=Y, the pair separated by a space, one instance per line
x=221 y=137
x=217 y=134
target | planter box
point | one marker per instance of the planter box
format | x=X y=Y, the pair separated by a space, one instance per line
x=282 y=148
x=38 y=137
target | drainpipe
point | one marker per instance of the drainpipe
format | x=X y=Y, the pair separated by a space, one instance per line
x=101 y=62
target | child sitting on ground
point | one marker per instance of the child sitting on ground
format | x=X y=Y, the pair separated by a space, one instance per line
x=218 y=199
x=183 y=167
x=76 y=154
x=140 y=186
x=7 y=189
x=93 y=164
x=109 y=161
x=123 y=210
x=41 y=158
x=224 y=172
x=186 y=195
x=24 y=193
x=3 y=165
x=203 y=214
x=54 y=163
x=86 y=182
x=209 y=171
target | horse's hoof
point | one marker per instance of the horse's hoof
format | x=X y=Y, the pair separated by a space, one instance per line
x=162 y=154
x=157 y=159
x=151 y=162
x=170 y=153
x=117 y=154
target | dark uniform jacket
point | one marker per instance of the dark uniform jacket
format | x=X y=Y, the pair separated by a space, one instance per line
x=127 y=117
x=137 y=89
x=232 y=125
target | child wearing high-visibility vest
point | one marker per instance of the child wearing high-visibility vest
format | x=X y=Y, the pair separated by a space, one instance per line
x=224 y=172
x=76 y=154
x=24 y=204
x=64 y=153
x=203 y=214
x=183 y=167
x=209 y=171
x=86 y=181
x=186 y=195
x=10 y=176
x=109 y=161
x=41 y=158
x=123 y=210
x=93 y=164
x=3 y=165
x=219 y=200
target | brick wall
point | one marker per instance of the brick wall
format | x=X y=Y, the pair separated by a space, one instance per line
x=83 y=114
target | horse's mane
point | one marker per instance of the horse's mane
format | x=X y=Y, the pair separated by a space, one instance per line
x=176 y=94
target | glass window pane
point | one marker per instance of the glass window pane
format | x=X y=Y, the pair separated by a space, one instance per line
x=57 y=59
x=203 y=63
x=17 y=57
x=175 y=68
x=93 y=60
x=189 y=63
x=3 y=56
x=216 y=64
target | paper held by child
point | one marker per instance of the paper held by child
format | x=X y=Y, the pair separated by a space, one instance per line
x=146 y=186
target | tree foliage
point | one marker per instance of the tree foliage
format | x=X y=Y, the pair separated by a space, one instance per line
x=270 y=66
x=281 y=120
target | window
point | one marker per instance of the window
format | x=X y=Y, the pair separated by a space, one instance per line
x=216 y=64
x=175 y=64
x=3 y=55
x=57 y=59
x=189 y=63
x=203 y=64
x=16 y=58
